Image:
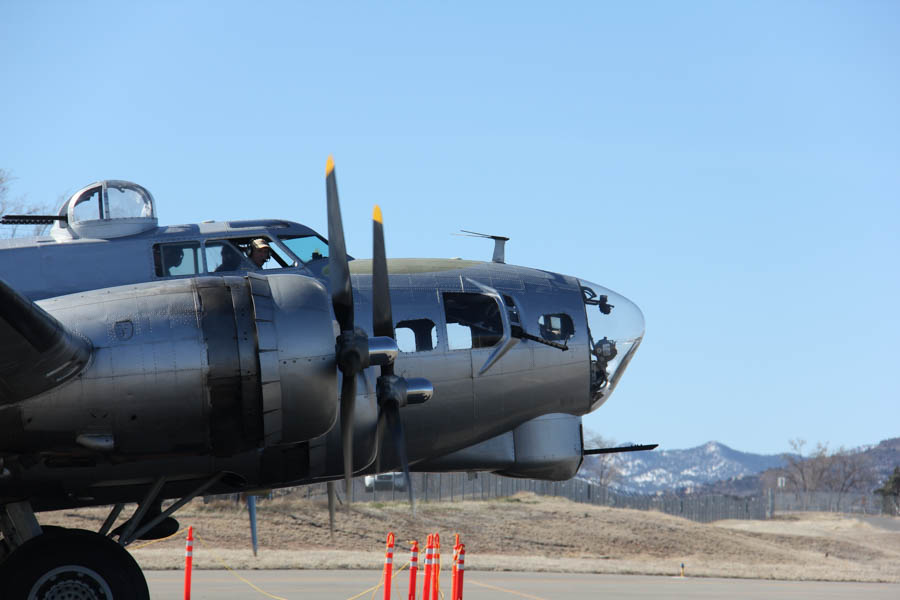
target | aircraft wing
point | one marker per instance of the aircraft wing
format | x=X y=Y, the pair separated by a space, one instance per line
x=37 y=352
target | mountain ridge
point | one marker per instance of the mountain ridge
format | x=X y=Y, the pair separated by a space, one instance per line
x=714 y=467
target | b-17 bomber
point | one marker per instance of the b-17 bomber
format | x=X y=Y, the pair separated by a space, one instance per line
x=143 y=363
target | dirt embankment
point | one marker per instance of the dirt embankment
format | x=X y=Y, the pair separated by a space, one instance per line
x=527 y=532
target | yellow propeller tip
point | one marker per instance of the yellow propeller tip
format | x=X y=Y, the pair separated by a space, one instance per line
x=376 y=214
x=329 y=165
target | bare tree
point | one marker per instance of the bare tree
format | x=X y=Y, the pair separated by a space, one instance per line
x=601 y=468
x=18 y=206
x=806 y=473
x=848 y=471
x=840 y=472
x=890 y=493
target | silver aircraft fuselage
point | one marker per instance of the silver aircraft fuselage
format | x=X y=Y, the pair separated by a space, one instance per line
x=195 y=374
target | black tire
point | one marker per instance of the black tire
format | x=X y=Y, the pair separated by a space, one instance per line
x=71 y=563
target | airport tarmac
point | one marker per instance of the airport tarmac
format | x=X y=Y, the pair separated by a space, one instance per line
x=344 y=585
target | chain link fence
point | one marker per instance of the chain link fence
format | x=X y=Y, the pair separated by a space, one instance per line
x=456 y=487
x=868 y=504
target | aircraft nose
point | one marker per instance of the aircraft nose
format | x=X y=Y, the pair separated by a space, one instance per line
x=615 y=328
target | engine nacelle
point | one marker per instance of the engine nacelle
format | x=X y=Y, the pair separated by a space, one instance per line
x=548 y=447
x=213 y=365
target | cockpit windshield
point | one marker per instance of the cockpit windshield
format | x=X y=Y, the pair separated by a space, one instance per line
x=307 y=248
x=615 y=330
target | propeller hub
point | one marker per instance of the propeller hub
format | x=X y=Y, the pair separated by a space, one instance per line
x=352 y=350
x=418 y=390
x=383 y=351
x=393 y=389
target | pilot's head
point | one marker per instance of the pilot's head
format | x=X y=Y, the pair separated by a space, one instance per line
x=173 y=256
x=260 y=252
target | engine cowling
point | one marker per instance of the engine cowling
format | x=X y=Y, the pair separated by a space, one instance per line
x=212 y=365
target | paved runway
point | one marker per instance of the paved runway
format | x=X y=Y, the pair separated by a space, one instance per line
x=343 y=585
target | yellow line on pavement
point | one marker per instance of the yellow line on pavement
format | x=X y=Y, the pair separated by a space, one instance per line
x=500 y=589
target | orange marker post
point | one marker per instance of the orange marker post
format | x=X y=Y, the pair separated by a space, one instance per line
x=413 y=569
x=460 y=571
x=388 y=565
x=429 y=567
x=188 y=562
x=436 y=571
x=453 y=582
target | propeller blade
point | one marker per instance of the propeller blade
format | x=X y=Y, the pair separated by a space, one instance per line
x=379 y=438
x=395 y=423
x=382 y=319
x=339 y=271
x=331 y=498
x=251 y=510
x=348 y=402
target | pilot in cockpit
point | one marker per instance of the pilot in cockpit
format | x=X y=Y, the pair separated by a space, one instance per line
x=260 y=252
x=173 y=256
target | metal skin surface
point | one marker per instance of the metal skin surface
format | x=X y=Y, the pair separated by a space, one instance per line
x=548 y=447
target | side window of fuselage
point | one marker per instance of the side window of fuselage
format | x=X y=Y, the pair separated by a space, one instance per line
x=416 y=335
x=179 y=258
x=556 y=327
x=473 y=320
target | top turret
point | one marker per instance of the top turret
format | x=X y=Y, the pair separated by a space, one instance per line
x=104 y=210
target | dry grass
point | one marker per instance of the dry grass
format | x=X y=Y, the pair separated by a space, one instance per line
x=526 y=532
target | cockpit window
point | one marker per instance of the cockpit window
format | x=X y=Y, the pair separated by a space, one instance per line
x=236 y=254
x=222 y=256
x=181 y=258
x=473 y=320
x=307 y=248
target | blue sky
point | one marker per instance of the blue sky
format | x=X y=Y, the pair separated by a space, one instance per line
x=732 y=168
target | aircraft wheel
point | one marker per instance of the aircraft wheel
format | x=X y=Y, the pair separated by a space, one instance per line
x=72 y=564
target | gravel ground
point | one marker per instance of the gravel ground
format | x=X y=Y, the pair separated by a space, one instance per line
x=526 y=532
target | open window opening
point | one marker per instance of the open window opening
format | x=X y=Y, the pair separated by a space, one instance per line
x=557 y=327
x=473 y=320
x=416 y=335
